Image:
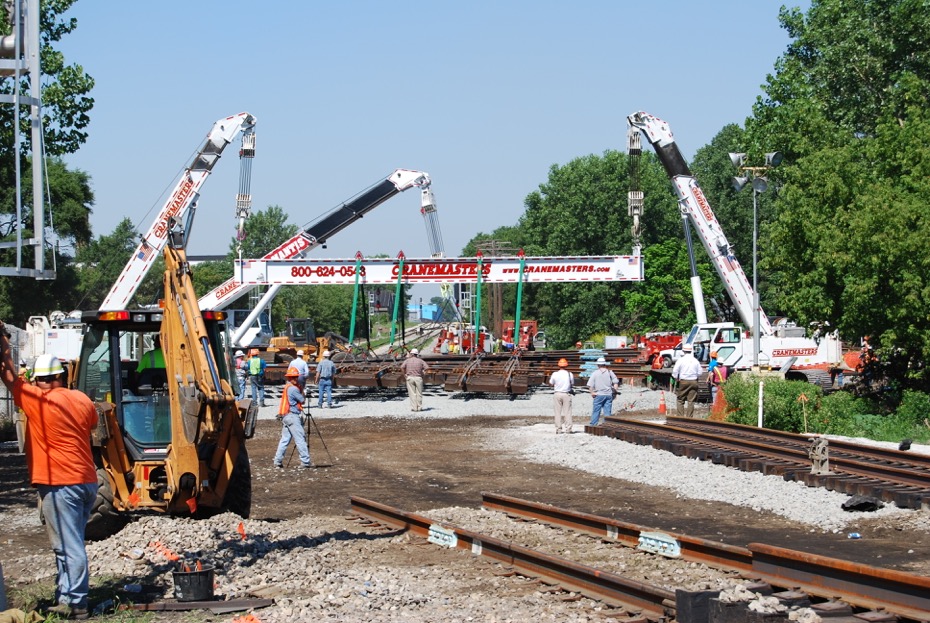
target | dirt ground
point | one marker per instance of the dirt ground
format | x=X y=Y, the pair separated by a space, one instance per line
x=429 y=463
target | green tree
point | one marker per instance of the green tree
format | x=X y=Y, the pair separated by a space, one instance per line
x=663 y=301
x=266 y=229
x=208 y=275
x=65 y=108
x=66 y=103
x=582 y=210
x=102 y=260
x=848 y=106
x=65 y=115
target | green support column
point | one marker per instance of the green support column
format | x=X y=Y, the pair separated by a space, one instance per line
x=397 y=294
x=475 y=342
x=358 y=272
x=516 y=322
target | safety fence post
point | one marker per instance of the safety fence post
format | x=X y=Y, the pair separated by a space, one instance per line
x=761 y=392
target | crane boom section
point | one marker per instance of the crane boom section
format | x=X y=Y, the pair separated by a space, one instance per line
x=185 y=194
x=320 y=231
x=693 y=202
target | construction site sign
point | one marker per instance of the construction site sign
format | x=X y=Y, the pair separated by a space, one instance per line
x=440 y=270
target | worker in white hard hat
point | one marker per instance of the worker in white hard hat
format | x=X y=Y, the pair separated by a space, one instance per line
x=59 y=422
x=302 y=368
x=325 y=375
x=686 y=372
x=603 y=385
x=242 y=374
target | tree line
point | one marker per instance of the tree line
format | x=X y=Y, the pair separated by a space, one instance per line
x=842 y=227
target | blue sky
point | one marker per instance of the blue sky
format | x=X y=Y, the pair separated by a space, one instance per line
x=484 y=96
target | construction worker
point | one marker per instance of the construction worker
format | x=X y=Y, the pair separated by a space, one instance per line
x=716 y=375
x=290 y=411
x=242 y=374
x=413 y=369
x=61 y=467
x=325 y=373
x=301 y=364
x=686 y=373
x=257 y=367
x=563 y=382
x=153 y=359
x=603 y=385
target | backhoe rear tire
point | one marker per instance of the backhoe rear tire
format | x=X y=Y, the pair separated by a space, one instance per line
x=105 y=520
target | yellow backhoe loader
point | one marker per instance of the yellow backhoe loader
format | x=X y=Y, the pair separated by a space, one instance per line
x=170 y=439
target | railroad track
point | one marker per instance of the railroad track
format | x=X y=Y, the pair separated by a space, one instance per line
x=893 y=476
x=832 y=588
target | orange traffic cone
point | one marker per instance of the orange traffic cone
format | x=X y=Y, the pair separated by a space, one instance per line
x=662 y=408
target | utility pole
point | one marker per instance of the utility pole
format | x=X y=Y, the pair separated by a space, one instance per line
x=496 y=248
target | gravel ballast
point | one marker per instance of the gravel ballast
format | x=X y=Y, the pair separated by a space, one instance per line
x=333 y=569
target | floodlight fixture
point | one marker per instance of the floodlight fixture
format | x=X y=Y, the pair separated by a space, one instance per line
x=739 y=183
x=773 y=158
x=760 y=184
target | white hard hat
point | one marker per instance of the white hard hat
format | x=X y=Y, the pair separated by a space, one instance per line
x=326 y=353
x=300 y=353
x=47 y=365
x=414 y=351
x=601 y=361
x=239 y=353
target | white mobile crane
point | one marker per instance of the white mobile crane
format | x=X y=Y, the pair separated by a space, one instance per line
x=181 y=204
x=60 y=334
x=312 y=236
x=782 y=346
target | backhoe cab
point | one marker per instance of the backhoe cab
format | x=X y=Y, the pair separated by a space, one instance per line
x=170 y=439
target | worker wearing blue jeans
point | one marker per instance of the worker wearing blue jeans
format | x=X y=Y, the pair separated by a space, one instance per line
x=66 y=509
x=603 y=384
x=325 y=371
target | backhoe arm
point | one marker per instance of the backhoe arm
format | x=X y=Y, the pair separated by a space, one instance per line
x=198 y=390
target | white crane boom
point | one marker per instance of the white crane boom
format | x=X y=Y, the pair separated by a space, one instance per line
x=182 y=199
x=693 y=203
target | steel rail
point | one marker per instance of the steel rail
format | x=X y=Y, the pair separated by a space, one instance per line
x=508 y=373
x=612 y=589
x=900 y=593
x=695 y=549
x=894 y=475
x=863 y=586
x=911 y=460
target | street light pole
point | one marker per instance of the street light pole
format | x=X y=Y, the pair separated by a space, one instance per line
x=755 y=279
x=755 y=176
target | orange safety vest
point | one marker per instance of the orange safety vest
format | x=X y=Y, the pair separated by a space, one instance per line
x=284 y=407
